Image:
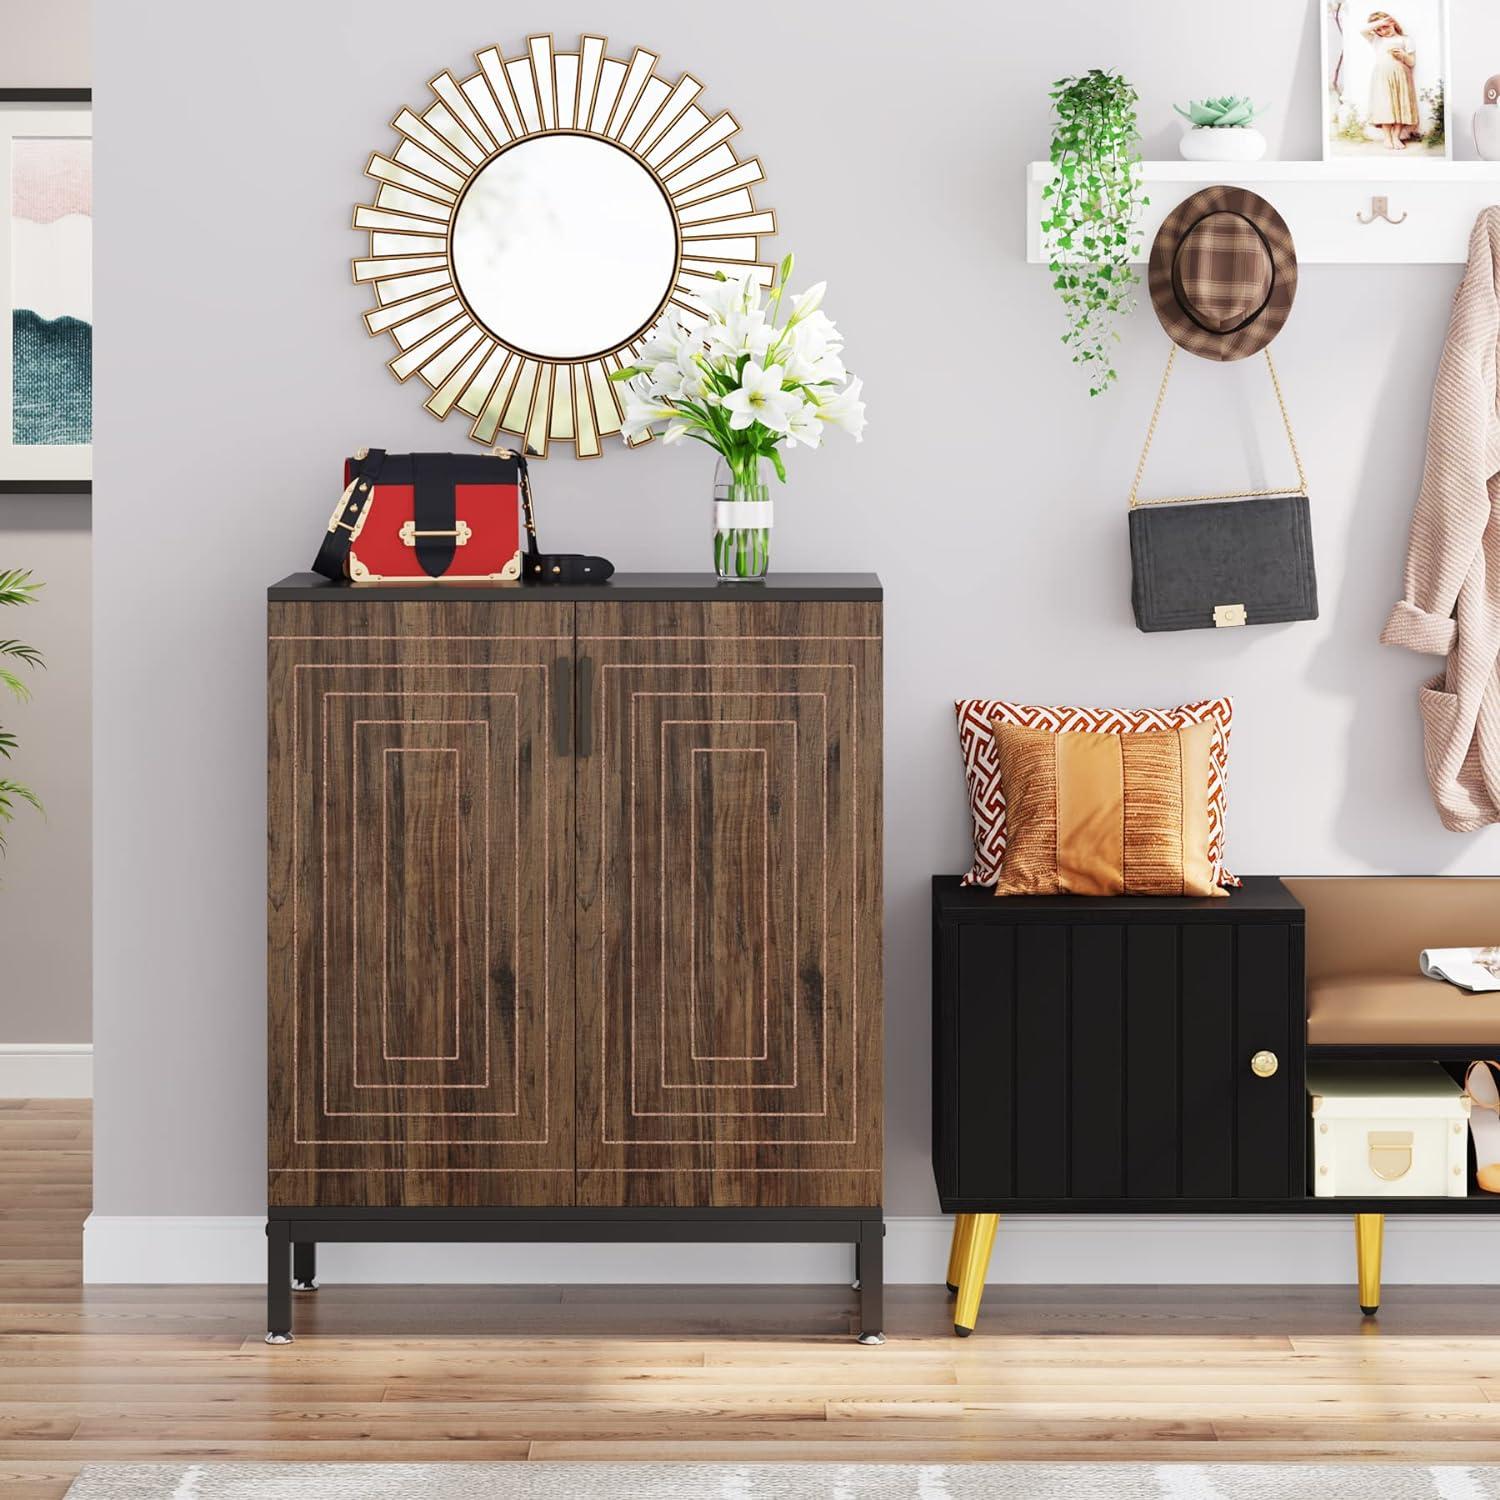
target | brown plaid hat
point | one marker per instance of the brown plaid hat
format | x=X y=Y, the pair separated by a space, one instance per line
x=1223 y=273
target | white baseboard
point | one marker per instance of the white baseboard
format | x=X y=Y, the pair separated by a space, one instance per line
x=1043 y=1249
x=46 y=1070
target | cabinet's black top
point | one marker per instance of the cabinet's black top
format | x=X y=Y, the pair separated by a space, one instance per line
x=1261 y=898
x=786 y=588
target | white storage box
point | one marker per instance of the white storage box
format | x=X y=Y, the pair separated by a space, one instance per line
x=1388 y=1130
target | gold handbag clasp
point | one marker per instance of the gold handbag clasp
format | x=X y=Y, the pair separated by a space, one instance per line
x=1229 y=614
x=1390 y=1154
x=460 y=533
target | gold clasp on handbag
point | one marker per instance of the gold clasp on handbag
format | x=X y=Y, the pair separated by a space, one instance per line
x=1229 y=614
x=460 y=533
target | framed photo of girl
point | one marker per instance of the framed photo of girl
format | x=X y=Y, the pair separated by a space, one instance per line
x=1385 y=80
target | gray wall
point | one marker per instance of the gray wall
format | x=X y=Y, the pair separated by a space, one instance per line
x=233 y=373
x=45 y=894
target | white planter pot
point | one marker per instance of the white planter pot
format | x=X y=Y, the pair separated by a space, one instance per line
x=1487 y=131
x=1222 y=143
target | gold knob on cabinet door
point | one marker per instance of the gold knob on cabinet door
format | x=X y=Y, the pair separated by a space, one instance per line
x=1264 y=1064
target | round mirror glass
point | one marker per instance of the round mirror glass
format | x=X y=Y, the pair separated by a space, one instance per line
x=564 y=247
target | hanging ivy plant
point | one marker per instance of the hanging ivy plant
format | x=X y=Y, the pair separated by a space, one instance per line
x=1091 y=222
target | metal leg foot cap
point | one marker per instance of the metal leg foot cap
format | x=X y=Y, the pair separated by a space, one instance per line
x=1369 y=1312
x=952 y=1290
x=872 y=1338
x=304 y=1286
x=278 y=1338
x=854 y=1285
x=961 y=1331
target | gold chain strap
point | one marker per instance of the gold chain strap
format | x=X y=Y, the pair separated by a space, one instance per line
x=1286 y=420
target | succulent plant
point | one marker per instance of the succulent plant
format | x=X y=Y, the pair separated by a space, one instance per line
x=1219 y=114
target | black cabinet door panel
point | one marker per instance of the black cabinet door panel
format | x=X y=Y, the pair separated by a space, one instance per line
x=1150 y=1057
x=1037 y=1072
x=1263 y=1126
x=1207 y=1043
x=987 y=970
x=1097 y=1077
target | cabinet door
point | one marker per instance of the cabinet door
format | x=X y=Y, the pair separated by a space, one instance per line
x=1110 y=1061
x=729 y=903
x=421 y=923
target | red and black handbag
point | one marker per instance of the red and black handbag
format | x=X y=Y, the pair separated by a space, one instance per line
x=457 y=517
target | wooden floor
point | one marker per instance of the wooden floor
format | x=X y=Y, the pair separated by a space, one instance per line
x=1196 y=1374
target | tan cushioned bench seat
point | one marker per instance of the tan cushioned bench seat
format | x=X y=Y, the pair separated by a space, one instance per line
x=1363 y=937
x=1374 y=1009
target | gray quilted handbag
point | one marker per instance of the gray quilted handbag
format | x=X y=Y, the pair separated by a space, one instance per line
x=1241 y=558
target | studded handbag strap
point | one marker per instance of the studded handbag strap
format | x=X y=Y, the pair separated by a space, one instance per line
x=551 y=567
x=1140 y=468
x=349 y=514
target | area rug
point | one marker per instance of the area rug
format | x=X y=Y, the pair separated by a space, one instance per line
x=583 y=1481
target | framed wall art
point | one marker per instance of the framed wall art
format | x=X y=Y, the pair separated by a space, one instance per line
x=46 y=268
x=1385 y=80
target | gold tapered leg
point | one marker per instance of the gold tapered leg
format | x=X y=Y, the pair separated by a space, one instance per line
x=1369 y=1234
x=979 y=1240
x=963 y=1227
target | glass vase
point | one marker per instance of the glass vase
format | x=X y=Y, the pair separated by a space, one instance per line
x=742 y=526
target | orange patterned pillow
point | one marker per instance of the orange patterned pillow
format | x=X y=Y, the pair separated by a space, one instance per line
x=982 y=764
x=1106 y=814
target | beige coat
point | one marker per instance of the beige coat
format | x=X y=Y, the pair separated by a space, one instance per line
x=1451 y=605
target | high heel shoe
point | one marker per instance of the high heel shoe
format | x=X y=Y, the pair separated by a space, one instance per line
x=1484 y=1122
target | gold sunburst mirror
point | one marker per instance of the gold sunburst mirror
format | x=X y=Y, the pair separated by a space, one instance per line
x=535 y=221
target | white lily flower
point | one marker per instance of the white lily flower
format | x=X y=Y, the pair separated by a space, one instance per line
x=816 y=335
x=808 y=302
x=760 y=398
x=845 y=410
x=692 y=384
x=825 y=369
x=741 y=333
x=666 y=379
x=805 y=428
x=732 y=295
x=678 y=430
x=664 y=342
x=641 y=413
x=659 y=382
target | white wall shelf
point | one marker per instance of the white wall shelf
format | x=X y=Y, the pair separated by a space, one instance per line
x=1321 y=203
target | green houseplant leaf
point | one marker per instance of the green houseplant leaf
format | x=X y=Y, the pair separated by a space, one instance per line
x=16 y=588
x=1220 y=114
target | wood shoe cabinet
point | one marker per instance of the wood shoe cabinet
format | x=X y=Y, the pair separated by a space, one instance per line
x=574 y=916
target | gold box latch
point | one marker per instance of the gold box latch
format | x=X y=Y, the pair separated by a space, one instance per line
x=1229 y=614
x=1390 y=1154
x=460 y=533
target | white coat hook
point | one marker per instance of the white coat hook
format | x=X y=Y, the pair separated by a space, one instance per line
x=1380 y=208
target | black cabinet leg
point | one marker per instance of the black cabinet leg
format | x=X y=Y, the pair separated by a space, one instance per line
x=304 y=1266
x=871 y=1261
x=278 y=1282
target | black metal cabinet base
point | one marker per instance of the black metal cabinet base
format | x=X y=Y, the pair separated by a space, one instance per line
x=293 y=1235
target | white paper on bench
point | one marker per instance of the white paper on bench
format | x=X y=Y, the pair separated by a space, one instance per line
x=1476 y=969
